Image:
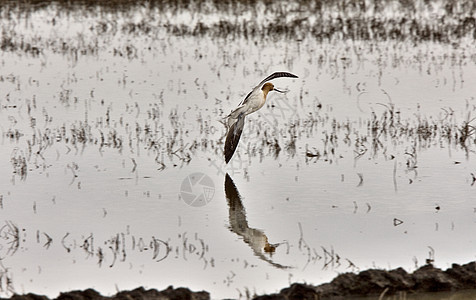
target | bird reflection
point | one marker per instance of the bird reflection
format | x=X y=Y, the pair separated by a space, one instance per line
x=255 y=238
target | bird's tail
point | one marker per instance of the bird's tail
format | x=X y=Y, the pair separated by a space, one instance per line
x=233 y=137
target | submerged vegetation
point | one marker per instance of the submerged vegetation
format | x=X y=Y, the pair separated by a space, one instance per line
x=172 y=142
x=443 y=21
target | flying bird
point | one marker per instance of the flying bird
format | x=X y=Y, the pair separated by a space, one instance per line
x=252 y=102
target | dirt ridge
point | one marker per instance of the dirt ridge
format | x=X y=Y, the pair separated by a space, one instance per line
x=366 y=283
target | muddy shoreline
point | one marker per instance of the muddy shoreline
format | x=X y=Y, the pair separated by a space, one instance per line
x=372 y=282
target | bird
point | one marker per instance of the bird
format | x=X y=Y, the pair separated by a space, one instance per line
x=252 y=102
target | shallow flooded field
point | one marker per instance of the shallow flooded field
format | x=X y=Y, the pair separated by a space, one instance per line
x=112 y=136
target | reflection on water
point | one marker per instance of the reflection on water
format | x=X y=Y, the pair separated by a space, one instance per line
x=255 y=238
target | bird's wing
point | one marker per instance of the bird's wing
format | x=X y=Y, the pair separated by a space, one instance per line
x=247 y=97
x=276 y=75
x=234 y=115
x=233 y=137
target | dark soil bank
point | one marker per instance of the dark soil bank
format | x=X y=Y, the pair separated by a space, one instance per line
x=375 y=282
x=366 y=283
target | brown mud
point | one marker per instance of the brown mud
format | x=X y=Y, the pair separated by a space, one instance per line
x=372 y=282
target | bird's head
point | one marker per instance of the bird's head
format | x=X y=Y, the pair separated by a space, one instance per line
x=267 y=87
x=269 y=248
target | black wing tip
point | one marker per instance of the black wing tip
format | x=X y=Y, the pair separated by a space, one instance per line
x=229 y=153
x=233 y=138
x=278 y=75
x=285 y=74
x=291 y=75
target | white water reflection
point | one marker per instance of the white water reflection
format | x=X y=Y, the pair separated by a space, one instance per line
x=95 y=150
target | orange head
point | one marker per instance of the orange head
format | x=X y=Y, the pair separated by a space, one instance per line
x=268 y=86
x=268 y=248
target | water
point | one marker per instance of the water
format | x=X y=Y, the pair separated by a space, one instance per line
x=366 y=162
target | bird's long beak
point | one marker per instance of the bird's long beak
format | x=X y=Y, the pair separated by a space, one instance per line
x=276 y=245
x=280 y=91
